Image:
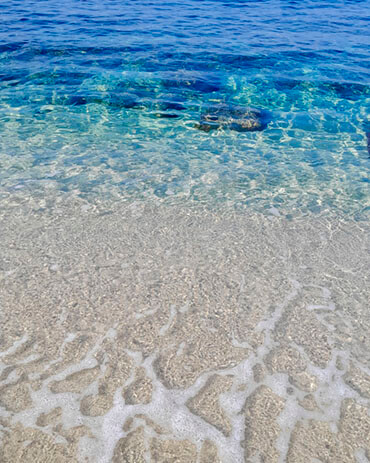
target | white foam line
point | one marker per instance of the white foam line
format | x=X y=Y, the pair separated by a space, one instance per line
x=168 y=409
x=360 y=456
x=13 y=348
x=173 y=314
x=44 y=400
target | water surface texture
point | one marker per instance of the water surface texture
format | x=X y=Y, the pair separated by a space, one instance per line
x=102 y=98
x=171 y=293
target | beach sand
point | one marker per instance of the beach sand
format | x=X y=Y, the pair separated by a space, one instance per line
x=141 y=332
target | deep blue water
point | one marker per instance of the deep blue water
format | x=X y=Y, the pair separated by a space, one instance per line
x=103 y=98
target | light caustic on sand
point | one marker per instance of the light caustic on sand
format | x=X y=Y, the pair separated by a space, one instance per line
x=155 y=333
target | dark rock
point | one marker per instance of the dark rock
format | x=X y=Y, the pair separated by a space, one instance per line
x=233 y=118
x=199 y=85
x=77 y=100
x=115 y=100
x=164 y=108
x=173 y=105
x=166 y=115
x=123 y=100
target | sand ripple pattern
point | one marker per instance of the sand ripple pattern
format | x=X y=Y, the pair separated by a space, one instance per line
x=139 y=333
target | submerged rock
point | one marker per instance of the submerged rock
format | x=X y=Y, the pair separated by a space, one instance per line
x=233 y=118
x=114 y=100
x=166 y=105
x=193 y=84
x=166 y=115
x=123 y=100
x=165 y=108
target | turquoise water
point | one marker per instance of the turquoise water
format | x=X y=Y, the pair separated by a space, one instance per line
x=103 y=100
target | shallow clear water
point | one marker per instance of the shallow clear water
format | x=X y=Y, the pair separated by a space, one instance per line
x=140 y=322
x=85 y=90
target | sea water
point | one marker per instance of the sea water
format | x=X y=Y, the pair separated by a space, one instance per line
x=104 y=98
x=171 y=294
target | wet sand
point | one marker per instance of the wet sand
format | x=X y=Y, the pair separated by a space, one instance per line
x=139 y=332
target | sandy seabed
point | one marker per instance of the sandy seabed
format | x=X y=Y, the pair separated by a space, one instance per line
x=142 y=332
